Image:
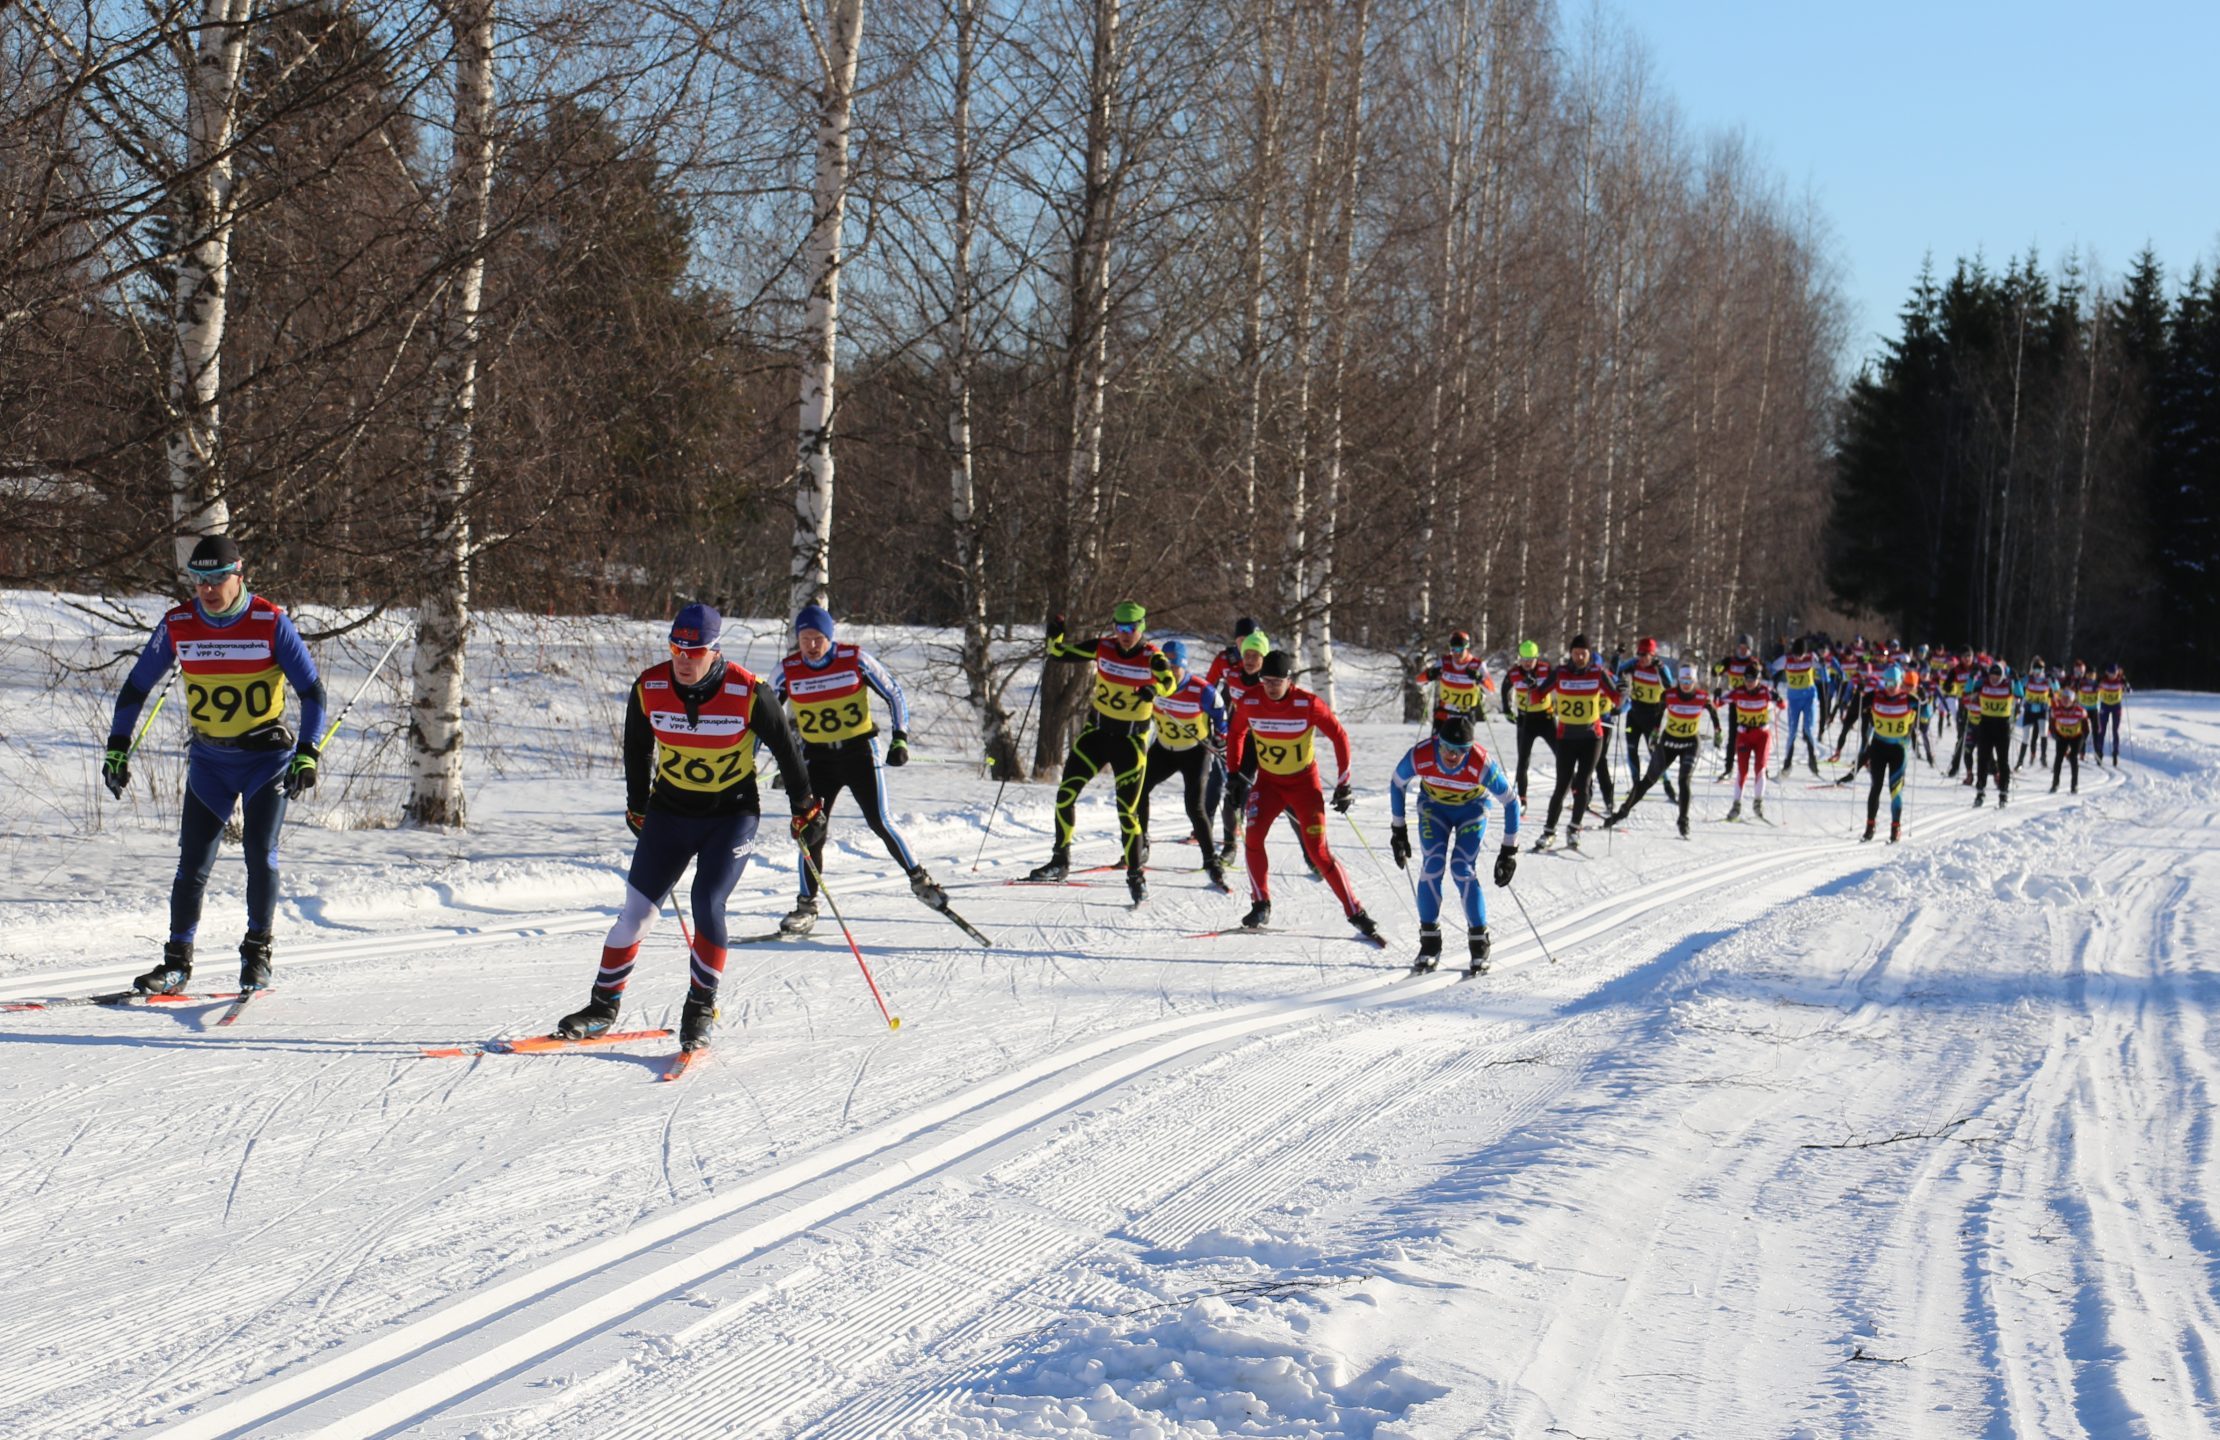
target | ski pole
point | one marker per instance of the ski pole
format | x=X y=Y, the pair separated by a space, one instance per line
x=333 y=728
x=1027 y=719
x=1531 y=926
x=893 y=1022
x=1409 y=900
x=147 y=724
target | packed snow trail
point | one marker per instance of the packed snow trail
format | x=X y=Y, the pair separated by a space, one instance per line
x=1107 y=1182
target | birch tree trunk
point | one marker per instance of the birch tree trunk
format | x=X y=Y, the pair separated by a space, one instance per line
x=1295 y=582
x=1264 y=179
x=203 y=215
x=836 y=42
x=443 y=608
x=1319 y=627
x=1003 y=759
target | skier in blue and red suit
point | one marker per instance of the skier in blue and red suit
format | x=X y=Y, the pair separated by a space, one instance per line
x=238 y=653
x=694 y=727
x=1455 y=777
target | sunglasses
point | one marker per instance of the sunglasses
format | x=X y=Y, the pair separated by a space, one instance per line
x=1124 y=629
x=692 y=652
x=211 y=577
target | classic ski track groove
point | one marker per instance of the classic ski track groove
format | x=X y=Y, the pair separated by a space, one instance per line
x=1073 y=1078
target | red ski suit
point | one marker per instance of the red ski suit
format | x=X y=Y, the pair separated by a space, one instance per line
x=1282 y=732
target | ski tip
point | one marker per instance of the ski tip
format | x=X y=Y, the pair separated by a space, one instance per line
x=442 y=1052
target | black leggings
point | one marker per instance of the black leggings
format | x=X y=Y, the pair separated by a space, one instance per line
x=1125 y=756
x=852 y=765
x=1888 y=760
x=1192 y=765
x=1992 y=752
x=1533 y=725
x=200 y=834
x=1663 y=758
x=1576 y=769
x=2063 y=750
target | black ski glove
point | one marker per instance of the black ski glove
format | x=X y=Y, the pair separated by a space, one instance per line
x=1055 y=628
x=810 y=823
x=634 y=821
x=301 y=774
x=1399 y=845
x=1344 y=797
x=898 y=753
x=115 y=766
x=1506 y=864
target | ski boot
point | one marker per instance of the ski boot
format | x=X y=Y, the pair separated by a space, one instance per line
x=2054 y=787
x=1259 y=916
x=1476 y=945
x=1734 y=811
x=1216 y=873
x=1896 y=831
x=1572 y=838
x=1981 y=797
x=1366 y=927
x=1232 y=851
x=1757 y=808
x=804 y=915
x=1549 y=838
x=1811 y=753
x=254 y=961
x=600 y=1013
x=1684 y=827
x=1429 y=950
x=2003 y=797
x=171 y=976
x=1613 y=819
x=922 y=886
x=1057 y=868
x=1868 y=835
x=1136 y=885
x=697 y=1019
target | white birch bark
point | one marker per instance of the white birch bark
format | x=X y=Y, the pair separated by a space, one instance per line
x=1264 y=180
x=836 y=44
x=443 y=608
x=1319 y=627
x=203 y=214
x=1295 y=581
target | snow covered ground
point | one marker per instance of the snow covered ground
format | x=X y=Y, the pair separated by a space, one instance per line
x=1793 y=1137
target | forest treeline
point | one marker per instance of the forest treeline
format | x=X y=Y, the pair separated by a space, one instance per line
x=2032 y=466
x=1365 y=317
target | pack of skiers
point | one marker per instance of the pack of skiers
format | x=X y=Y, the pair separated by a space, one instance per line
x=701 y=731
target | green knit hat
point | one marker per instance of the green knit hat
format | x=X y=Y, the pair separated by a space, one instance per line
x=1129 y=612
x=1256 y=641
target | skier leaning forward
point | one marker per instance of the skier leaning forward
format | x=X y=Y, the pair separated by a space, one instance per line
x=692 y=730
x=1276 y=722
x=238 y=652
x=1454 y=778
x=830 y=686
x=1684 y=707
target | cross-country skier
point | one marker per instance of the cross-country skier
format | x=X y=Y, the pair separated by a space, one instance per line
x=1459 y=678
x=1581 y=694
x=2112 y=692
x=1235 y=680
x=1995 y=701
x=1644 y=677
x=2069 y=726
x=1131 y=674
x=830 y=685
x=1751 y=705
x=238 y=653
x=1454 y=778
x=1800 y=683
x=1892 y=712
x=1685 y=706
x=1190 y=735
x=2036 y=691
x=1527 y=689
x=1280 y=720
x=1740 y=666
x=694 y=729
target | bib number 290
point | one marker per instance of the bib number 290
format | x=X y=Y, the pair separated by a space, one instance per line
x=223 y=704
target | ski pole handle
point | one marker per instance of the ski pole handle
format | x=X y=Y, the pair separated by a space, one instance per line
x=333 y=728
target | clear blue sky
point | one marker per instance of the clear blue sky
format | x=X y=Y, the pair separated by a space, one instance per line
x=1963 y=125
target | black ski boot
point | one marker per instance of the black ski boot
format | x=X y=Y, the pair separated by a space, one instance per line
x=254 y=961
x=696 y=1020
x=922 y=886
x=1057 y=868
x=1216 y=872
x=1477 y=943
x=1366 y=927
x=1684 y=827
x=1869 y=824
x=1572 y=838
x=1429 y=950
x=1757 y=808
x=600 y=1013
x=1811 y=753
x=1549 y=838
x=172 y=975
x=1980 y=797
x=1232 y=850
x=1259 y=916
x=1734 y=811
x=799 y=919
x=1136 y=885
x=2003 y=797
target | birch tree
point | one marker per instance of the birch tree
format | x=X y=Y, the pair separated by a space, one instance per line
x=834 y=34
x=443 y=606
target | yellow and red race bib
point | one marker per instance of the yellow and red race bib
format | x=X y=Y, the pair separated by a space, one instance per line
x=232 y=681
x=1125 y=685
x=711 y=751
x=831 y=702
